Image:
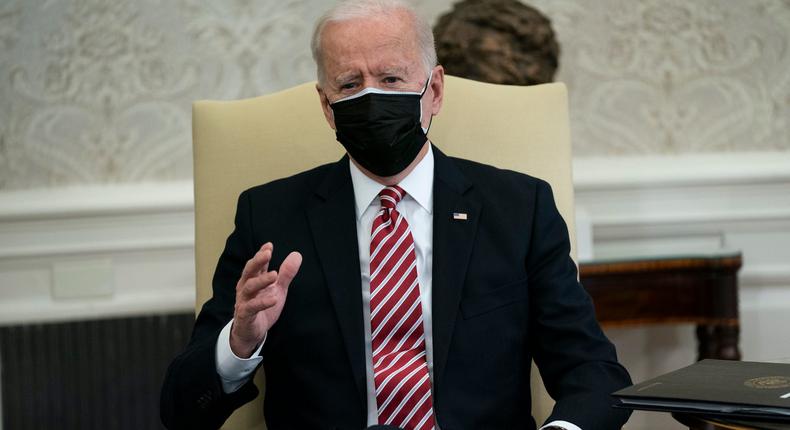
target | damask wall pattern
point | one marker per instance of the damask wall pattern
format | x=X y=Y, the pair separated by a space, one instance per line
x=99 y=91
x=675 y=76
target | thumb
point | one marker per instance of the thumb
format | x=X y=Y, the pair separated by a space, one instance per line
x=288 y=269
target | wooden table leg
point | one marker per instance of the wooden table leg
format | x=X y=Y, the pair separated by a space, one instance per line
x=718 y=341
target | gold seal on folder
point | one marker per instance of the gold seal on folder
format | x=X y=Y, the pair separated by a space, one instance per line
x=768 y=382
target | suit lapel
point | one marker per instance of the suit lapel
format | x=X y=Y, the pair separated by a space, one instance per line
x=333 y=223
x=453 y=239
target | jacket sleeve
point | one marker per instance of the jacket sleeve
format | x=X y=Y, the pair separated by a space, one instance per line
x=192 y=395
x=577 y=362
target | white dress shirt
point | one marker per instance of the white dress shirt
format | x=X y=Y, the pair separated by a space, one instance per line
x=417 y=208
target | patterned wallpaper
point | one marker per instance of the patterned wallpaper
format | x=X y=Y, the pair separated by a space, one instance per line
x=99 y=91
x=675 y=76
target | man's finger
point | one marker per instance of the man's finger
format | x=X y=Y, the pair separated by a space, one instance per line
x=258 y=283
x=262 y=303
x=289 y=269
x=268 y=246
x=258 y=263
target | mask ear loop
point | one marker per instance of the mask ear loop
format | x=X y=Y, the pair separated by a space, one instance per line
x=424 y=89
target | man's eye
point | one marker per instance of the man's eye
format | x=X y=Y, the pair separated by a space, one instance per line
x=391 y=80
x=348 y=86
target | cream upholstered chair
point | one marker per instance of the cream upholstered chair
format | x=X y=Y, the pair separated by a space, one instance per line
x=239 y=144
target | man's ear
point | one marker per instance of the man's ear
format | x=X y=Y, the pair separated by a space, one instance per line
x=437 y=87
x=330 y=117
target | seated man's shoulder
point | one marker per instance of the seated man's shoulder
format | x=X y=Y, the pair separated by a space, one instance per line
x=489 y=176
x=294 y=187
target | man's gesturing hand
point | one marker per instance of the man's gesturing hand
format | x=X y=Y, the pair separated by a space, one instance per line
x=260 y=296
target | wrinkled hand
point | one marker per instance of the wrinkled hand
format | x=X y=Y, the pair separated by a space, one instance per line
x=260 y=297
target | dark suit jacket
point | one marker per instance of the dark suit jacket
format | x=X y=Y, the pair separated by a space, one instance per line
x=505 y=291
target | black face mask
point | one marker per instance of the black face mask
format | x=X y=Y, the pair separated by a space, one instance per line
x=381 y=130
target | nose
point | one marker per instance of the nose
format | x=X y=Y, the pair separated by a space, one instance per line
x=369 y=81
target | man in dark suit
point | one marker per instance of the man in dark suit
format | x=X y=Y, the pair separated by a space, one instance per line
x=406 y=287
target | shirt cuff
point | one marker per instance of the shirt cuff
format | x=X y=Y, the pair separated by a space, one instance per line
x=562 y=424
x=232 y=370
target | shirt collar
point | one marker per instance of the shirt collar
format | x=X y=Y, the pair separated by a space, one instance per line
x=418 y=184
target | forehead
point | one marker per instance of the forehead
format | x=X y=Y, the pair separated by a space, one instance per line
x=370 y=45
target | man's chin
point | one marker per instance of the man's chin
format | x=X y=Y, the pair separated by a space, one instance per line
x=384 y=180
x=395 y=178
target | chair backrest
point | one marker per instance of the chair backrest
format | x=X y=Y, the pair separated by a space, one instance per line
x=239 y=144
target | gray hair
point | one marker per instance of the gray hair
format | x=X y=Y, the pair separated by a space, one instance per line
x=354 y=9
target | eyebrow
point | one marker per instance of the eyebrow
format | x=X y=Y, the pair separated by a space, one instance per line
x=346 y=77
x=386 y=71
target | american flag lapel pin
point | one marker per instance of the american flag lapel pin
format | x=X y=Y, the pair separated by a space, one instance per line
x=460 y=216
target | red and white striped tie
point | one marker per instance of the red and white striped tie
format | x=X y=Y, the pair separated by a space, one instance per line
x=400 y=368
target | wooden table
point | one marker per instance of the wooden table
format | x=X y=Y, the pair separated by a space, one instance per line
x=698 y=289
